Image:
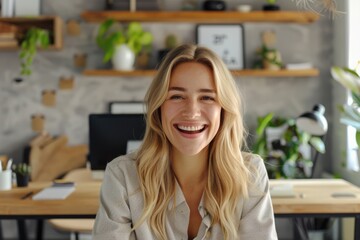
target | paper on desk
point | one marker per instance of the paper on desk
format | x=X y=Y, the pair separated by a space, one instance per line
x=54 y=193
x=283 y=190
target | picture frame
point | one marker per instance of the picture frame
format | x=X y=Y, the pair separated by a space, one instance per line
x=123 y=107
x=226 y=40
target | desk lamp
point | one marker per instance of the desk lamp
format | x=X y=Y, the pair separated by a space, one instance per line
x=315 y=124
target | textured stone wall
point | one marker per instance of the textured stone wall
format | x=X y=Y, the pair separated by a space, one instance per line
x=18 y=101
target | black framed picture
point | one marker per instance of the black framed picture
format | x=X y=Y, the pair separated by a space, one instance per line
x=227 y=40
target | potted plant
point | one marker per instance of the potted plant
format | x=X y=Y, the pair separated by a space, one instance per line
x=33 y=39
x=122 y=45
x=269 y=58
x=271 y=6
x=285 y=148
x=171 y=42
x=350 y=113
x=22 y=172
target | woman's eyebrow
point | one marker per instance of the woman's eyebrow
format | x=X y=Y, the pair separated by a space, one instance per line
x=204 y=90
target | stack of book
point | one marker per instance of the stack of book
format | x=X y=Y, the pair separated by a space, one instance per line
x=8 y=35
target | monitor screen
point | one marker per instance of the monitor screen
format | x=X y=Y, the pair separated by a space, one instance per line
x=110 y=135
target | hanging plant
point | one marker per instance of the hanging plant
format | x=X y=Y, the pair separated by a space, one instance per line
x=34 y=38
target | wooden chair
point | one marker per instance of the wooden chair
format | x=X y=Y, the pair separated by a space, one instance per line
x=75 y=226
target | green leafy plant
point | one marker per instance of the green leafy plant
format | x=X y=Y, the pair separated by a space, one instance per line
x=284 y=158
x=108 y=37
x=266 y=54
x=34 y=38
x=350 y=113
x=271 y=1
x=171 y=41
x=21 y=169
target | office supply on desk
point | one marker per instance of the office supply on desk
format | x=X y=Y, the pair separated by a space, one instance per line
x=27 y=195
x=5 y=179
x=9 y=164
x=57 y=191
x=283 y=190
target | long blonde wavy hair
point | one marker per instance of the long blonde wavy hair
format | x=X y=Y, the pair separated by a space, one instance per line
x=228 y=174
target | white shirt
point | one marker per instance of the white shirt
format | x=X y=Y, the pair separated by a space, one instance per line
x=121 y=204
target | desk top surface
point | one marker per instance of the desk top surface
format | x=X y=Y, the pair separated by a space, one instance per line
x=311 y=196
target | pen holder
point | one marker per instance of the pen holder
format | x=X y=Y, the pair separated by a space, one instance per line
x=5 y=180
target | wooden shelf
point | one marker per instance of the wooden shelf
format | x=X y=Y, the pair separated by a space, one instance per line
x=202 y=16
x=248 y=72
x=51 y=23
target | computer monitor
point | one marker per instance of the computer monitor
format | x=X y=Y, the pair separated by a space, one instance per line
x=110 y=134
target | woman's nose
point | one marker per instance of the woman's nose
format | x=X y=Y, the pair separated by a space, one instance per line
x=191 y=109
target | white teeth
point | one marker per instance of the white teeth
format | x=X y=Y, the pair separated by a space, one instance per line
x=191 y=128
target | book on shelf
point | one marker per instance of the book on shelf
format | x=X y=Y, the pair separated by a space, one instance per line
x=8 y=43
x=7 y=35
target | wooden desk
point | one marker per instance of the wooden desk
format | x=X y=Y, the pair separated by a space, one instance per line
x=313 y=199
x=82 y=203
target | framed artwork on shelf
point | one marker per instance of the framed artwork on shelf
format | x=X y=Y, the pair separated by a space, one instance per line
x=119 y=107
x=227 y=40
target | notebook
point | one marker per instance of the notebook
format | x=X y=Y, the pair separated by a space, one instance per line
x=283 y=190
x=57 y=191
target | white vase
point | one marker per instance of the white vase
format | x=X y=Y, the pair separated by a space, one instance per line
x=123 y=58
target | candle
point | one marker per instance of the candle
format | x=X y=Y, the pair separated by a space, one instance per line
x=132 y=5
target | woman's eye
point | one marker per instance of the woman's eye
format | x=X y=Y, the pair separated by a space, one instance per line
x=207 y=98
x=176 y=97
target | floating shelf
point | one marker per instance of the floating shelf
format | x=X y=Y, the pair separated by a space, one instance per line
x=202 y=16
x=51 y=23
x=248 y=72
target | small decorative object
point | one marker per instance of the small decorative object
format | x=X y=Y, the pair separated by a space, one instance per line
x=109 y=4
x=66 y=83
x=22 y=172
x=271 y=6
x=37 y=122
x=80 y=60
x=49 y=98
x=34 y=38
x=73 y=27
x=270 y=58
x=171 y=42
x=214 y=5
x=132 y=5
x=244 y=8
x=189 y=5
x=133 y=40
x=227 y=40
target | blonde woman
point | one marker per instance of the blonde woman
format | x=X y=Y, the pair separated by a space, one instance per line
x=189 y=179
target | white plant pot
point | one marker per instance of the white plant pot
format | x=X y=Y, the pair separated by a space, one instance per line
x=123 y=58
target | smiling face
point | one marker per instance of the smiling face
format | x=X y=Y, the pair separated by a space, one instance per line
x=191 y=112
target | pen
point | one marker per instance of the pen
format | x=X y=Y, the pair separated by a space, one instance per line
x=27 y=195
x=9 y=163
